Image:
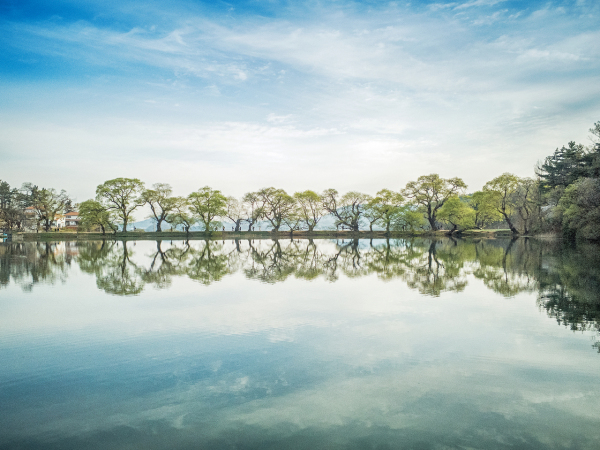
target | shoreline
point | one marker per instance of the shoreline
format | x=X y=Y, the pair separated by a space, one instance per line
x=232 y=235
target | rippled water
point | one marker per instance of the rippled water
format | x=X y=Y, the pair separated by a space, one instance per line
x=299 y=345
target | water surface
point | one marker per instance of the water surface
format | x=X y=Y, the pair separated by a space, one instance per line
x=299 y=344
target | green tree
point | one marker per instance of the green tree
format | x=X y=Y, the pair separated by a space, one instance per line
x=47 y=203
x=347 y=210
x=276 y=205
x=408 y=219
x=181 y=215
x=527 y=202
x=580 y=207
x=12 y=214
x=207 y=204
x=94 y=214
x=388 y=205
x=502 y=191
x=457 y=213
x=234 y=211
x=160 y=201
x=310 y=208
x=483 y=204
x=431 y=192
x=253 y=211
x=122 y=195
x=566 y=165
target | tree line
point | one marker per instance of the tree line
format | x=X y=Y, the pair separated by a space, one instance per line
x=565 y=194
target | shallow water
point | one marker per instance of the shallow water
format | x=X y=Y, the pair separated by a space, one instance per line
x=299 y=344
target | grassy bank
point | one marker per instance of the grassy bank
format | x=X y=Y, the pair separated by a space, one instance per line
x=222 y=235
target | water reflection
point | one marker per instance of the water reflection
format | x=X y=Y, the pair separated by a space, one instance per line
x=567 y=278
x=365 y=345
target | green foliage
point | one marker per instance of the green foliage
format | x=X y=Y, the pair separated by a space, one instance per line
x=47 y=203
x=408 y=219
x=387 y=207
x=568 y=164
x=348 y=209
x=580 y=207
x=160 y=201
x=181 y=215
x=457 y=213
x=276 y=206
x=94 y=214
x=431 y=192
x=206 y=204
x=121 y=195
x=502 y=195
x=310 y=208
x=483 y=204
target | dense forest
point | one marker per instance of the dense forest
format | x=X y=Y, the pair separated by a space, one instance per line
x=563 y=196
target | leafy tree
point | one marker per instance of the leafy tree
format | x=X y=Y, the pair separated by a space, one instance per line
x=181 y=215
x=408 y=219
x=207 y=204
x=502 y=191
x=388 y=205
x=94 y=214
x=234 y=211
x=484 y=206
x=122 y=195
x=527 y=202
x=276 y=205
x=160 y=201
x=568 y=164
x=431 y=192
x=310 y=208
x=253 y=211
x=47 y=203
x=371 y=212
x=580 y=207
x=347 y=210
x=12 y=213
x=457 y=213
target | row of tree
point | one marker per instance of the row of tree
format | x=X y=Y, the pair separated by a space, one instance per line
x=430 y=201
x=565 y=194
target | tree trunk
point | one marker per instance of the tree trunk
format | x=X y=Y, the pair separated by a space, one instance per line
x=454 y=228
x=432 y=223
x=158 y=228
x=510 y=224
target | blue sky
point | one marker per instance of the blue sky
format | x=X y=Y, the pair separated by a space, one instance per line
x=242 y=95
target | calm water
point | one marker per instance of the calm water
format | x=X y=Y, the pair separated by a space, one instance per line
x=299 y=345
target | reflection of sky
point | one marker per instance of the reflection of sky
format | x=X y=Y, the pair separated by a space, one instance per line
x=312 y=364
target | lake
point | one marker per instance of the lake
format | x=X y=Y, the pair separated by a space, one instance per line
x=300 y=344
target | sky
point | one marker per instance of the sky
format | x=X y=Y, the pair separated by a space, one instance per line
x=297 y=95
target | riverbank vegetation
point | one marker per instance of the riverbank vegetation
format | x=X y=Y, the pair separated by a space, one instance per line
x=564 y=196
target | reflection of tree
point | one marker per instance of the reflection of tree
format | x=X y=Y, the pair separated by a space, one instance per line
x=570 y=287
x=118 y=275
x=273 y=264
x=164 y=265
x=508 y=267
x=208 y=264
x=28 y=264
x=567 y=279
x=438 y=269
